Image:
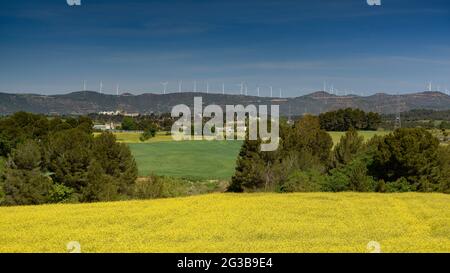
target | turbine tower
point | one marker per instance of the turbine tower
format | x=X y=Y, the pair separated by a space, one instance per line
x=117 y=90
x=84 y=85
x=101 y=87
x=207 y=87
x=223 y=88
x=271 y=91
x=242 y=88
x=280 y=92
x=257 y=90
x=430 y=86
x=179 y=86
x=165 y=87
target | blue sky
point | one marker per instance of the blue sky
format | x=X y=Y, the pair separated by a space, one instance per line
x=50 y=47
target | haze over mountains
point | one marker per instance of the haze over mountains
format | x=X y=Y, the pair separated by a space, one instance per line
x=85 y=102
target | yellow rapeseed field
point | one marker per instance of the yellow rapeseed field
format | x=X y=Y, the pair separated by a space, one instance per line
x=302 y=222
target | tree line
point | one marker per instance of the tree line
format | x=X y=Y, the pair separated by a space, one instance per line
x=424 y=118
x=346 y=119
x=409 y=159
x=59 y=160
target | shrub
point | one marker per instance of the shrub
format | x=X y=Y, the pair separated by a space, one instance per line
x=337 y=181
x=303 y=181
x=400 y=185
x=149 y=187
x=62 y=194
x=351 y=177
x=148 y=133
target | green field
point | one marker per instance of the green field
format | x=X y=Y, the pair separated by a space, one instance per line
x=266 y=222
x=188 y=159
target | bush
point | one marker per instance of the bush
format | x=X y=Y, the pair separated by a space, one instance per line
x=303 y=181
x=148 y=133
x=401 y=185
x=352 y=177
x=165 y=187
x=62 y=194
x=337 y=181
x=150 y=187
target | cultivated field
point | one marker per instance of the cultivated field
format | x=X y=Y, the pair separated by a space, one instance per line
x=302 y=222
x=188 y=159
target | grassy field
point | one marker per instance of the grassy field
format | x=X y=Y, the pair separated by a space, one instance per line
x=188 y=159
x=308 y=222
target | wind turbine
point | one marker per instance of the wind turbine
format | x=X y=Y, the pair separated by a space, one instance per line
x=223 y=88
x=101 y=87
x=179 y=86
x=242 y=88
x=271 y=91
x=165 y=86
x=430 y=86
x=246 y=89
x=207 y=87
x=117 y=89
x=280 y=92
x=257 y=90
x=84 y=85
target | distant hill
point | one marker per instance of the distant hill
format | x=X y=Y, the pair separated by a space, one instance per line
x=85 y=102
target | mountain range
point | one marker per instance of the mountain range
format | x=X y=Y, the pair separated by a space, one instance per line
x=85 y=102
